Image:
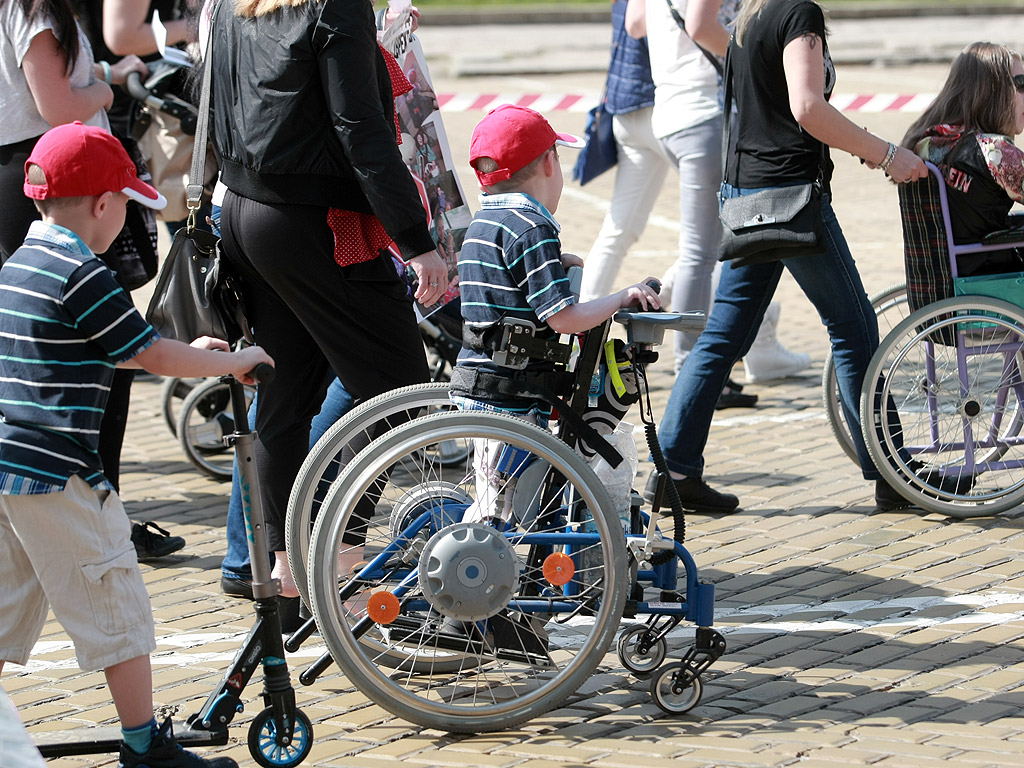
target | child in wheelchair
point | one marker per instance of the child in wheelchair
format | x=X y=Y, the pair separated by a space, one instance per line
x=516 y=296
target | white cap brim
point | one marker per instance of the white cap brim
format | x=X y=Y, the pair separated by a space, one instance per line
x=148 y=197
x=570 y=140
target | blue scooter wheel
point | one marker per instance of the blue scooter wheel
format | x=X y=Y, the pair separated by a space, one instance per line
x=264 y=746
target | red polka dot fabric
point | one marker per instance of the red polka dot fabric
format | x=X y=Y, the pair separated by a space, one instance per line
x=359 y=237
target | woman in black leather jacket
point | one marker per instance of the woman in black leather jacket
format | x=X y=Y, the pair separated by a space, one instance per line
x=304 y=130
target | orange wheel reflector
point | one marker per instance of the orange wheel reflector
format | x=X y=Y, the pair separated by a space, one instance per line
x=559 y=568
x=383 y=607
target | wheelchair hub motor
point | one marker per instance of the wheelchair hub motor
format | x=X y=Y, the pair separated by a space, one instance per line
x=468 y=572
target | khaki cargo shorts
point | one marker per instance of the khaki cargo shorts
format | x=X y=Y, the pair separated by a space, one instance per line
x=72 y=551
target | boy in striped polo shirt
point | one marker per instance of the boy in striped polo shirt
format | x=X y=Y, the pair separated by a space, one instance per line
x=512 y=267
x=65 y=324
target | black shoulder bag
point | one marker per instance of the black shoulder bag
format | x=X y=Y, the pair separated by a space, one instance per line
x=196 y=294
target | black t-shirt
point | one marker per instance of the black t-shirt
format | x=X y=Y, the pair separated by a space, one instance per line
x=773 y=148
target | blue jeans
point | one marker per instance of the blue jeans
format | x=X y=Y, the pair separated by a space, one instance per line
x=235 y=565
x=831 y=282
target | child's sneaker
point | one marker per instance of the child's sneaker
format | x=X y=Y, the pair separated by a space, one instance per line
x=151 y=541
x=165 y=752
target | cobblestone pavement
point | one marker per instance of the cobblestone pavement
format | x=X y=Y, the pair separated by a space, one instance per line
x=855 y=637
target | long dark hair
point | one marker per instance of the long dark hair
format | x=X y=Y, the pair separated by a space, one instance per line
x=978 y=94
x=65 y=29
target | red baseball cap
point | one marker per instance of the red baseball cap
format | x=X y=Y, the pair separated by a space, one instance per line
x=514 y=137
x=84 y=161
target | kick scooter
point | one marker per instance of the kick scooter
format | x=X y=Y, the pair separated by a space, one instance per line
x=281 y=735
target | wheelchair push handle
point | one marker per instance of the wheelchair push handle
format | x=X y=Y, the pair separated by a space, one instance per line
x=138 y=91
x=174 y=107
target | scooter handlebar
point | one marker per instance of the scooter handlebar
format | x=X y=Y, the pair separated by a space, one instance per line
x=263 y=373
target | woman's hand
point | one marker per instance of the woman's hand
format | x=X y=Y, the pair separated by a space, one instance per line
x=209 y=342
x=432 y=275
x=906 y=166
x=119 y=72
x=391 y=15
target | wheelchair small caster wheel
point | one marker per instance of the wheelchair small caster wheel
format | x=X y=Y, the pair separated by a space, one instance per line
x=641 y=664
x=671 y=694
x=263 y=745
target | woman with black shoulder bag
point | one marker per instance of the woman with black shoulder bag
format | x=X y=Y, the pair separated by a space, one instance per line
x=781 y=78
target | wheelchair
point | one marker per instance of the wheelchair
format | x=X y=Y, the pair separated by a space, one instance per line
x=197 y=411
x=941 y=407
x=478 y=604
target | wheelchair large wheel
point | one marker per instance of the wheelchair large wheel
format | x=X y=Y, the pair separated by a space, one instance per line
x=204 y=420
x=890 y=308
x=323 y=463
x=518 y=588
x=950 y=437
x=172 y=395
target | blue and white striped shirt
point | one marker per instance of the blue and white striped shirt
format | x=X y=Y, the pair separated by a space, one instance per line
x=511 y=266
x=64 y=325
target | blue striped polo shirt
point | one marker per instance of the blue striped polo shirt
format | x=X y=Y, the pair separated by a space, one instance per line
x=64 y=325
x=511 y=266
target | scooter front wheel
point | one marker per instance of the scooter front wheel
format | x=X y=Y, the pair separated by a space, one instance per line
x=264 y=746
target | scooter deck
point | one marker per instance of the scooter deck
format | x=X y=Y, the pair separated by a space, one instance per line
x=91 y=740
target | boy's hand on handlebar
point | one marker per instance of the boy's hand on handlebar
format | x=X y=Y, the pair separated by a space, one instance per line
x=642 y=295
x=247 y=359
x=119 y=72
x=571 y=260
x=432 y=275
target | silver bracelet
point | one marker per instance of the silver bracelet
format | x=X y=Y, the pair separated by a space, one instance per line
x=105 y=66
x=890 y=155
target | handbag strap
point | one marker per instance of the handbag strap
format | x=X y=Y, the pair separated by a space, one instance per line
x=682 y=25
x=194 y=189
x=727 y=118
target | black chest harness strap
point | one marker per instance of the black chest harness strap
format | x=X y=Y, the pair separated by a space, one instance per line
x=483 y=385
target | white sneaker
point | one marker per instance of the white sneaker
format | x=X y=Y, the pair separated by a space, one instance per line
x=767 y=359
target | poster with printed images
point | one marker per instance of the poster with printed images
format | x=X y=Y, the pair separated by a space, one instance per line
x=425 y=149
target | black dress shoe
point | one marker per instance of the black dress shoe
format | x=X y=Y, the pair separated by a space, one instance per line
x=732 y=397
x=888 y=498
x=698 y=496
x=288 y=608
x=236 y=587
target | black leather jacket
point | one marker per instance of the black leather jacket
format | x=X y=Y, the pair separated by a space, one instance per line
x=303 y=113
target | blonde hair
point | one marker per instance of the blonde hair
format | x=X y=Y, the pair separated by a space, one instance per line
x=978 y=94
x=250 y=9
x=516 y=180
x=749 y=9
x=37 y=176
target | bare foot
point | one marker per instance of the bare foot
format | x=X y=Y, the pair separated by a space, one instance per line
x=283 y=572
x=349 y=563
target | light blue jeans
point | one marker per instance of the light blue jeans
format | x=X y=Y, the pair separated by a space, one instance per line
x=696 y=153
x=236 y=564
x=831 y=282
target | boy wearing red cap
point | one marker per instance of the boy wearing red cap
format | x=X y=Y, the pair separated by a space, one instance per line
x=512 y=268
x=65 y=323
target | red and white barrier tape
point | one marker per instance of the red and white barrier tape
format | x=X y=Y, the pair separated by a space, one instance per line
x=581 y=102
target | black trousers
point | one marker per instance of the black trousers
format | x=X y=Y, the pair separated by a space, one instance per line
x=313 y=316
x=17 y=212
